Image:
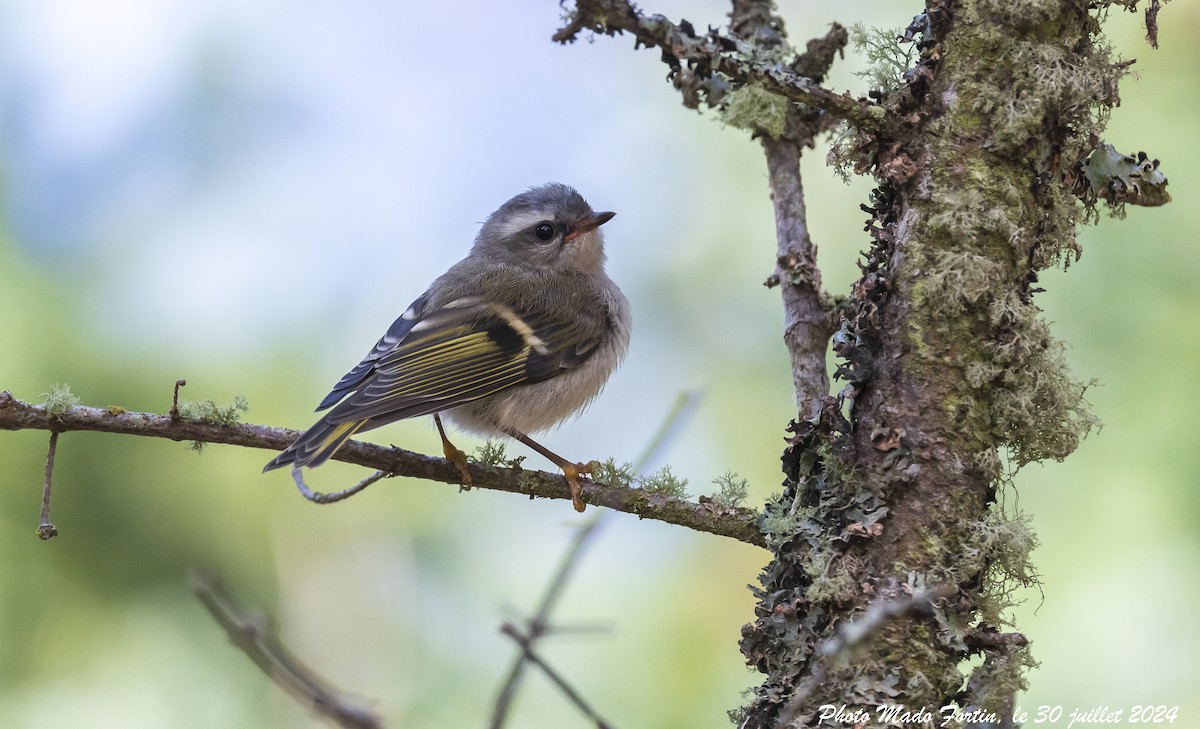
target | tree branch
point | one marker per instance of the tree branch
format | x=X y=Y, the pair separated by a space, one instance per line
x=737 y=523
x=539 y=624
x=46 y=528
x=259 y=643
x=713 y=53
x=526 y=643
x=807 y=321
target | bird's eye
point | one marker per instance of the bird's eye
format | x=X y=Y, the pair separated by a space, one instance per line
x=543 y=231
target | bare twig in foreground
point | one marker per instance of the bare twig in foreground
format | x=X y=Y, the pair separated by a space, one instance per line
x=527 y=651
x=539 y=624
x=259 y=643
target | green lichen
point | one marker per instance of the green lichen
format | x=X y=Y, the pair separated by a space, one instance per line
x=664 y=483
x=779 y=522
x=732 y=490
x=1036 y=407
x=1071 y=83
x=493 y=455
x=956 y=281
x=987 y=207
x=207 y=411
x=1018 y=113
x=757 y=110
x=994 y=683
x=612 y=473
x=1055 y=94
x=888 y=56
x=59 y=400
x=998 y=549
x=831 y=581
x=1043 y=412
x=1024 y=14
x=490 y=454
x=1010 y=360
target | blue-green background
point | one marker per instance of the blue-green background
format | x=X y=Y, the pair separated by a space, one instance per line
x=245 y=194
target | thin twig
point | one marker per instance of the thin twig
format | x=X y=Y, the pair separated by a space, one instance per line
x=684 y=405
x=174 y=412
x=539 y=624
x=47 y=530
x=259 y=643
x=739 y=524
x=527 y=651
x=328 y=498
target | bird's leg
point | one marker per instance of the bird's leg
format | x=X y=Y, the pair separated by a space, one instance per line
x=453 y=454
x=571 y=470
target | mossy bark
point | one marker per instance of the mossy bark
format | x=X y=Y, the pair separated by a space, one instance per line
x=891 y=489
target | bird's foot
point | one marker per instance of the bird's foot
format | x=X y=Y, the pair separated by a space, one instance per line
x=459 y=459
x=453 y=454
x=573 y=471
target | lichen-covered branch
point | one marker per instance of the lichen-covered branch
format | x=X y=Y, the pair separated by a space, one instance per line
x=894 y=487
x=734 y=522
x=806 y=309
x=807 y=323
x=704 y=65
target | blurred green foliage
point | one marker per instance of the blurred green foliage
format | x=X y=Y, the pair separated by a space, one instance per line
x=398 y=593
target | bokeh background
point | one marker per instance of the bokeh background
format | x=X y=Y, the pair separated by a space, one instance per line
x=245 y=194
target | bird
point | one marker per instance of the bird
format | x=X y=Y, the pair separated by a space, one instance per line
x=517 y=337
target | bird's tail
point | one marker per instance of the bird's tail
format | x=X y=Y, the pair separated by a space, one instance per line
x=317 y=444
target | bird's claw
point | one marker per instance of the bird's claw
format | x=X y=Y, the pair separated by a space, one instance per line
x=572 y=472
x=459 y=459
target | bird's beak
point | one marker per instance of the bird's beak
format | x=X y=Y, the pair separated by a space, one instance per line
x=588 y=225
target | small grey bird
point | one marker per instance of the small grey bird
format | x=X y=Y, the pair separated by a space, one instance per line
x=515 y=338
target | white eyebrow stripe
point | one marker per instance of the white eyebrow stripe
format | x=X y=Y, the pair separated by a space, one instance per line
x=521 y=221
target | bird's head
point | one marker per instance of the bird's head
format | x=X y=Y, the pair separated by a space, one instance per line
x=546 y=227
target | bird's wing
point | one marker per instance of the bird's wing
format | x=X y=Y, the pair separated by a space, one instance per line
x=464 y=350
x=391 y=338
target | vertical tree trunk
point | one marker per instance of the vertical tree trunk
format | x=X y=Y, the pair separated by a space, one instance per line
x=891 y=490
